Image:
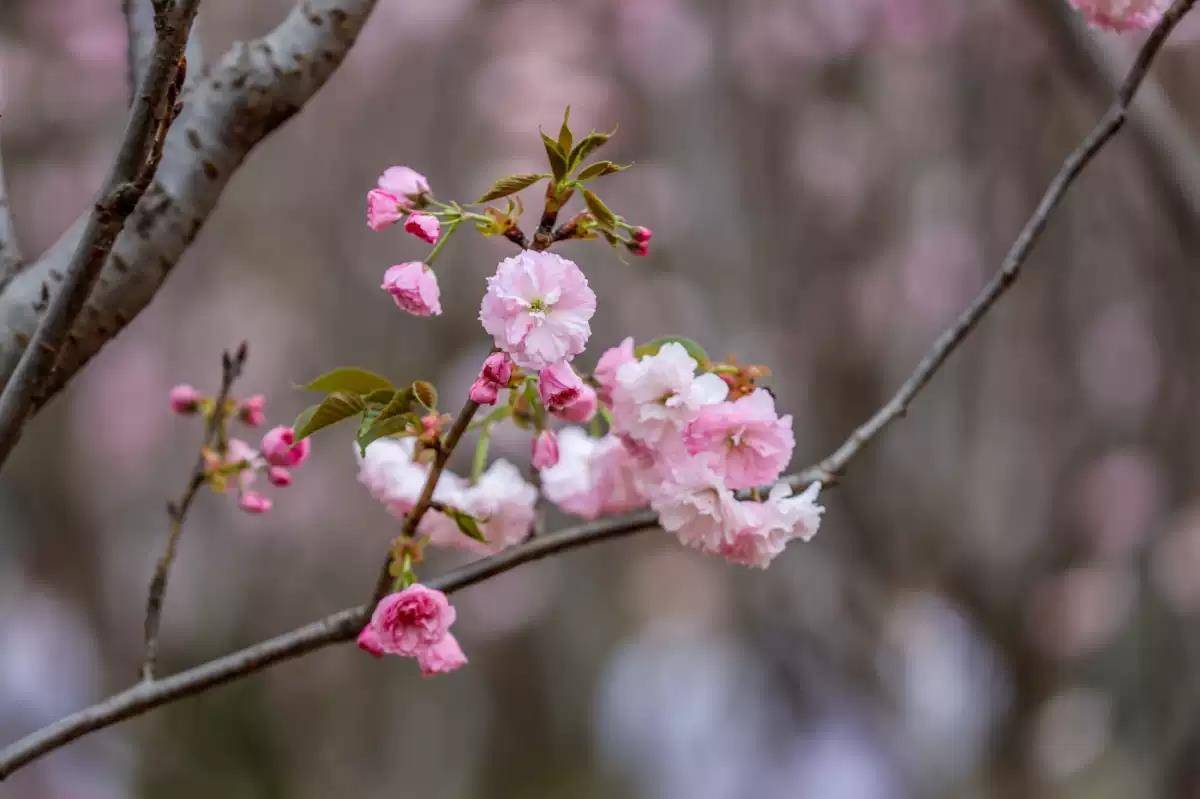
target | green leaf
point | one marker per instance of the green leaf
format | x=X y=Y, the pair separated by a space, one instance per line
x=600 y=169
x=391 y=426
x=467 y=524
x=337 y=406
x=380 y=396
x=557 y=158
x=425 y=394
x=350 y=379
x=586 y=146
x=564 y=133
x=511 y=185
x=604 y=217
x=305 y=416
x=693 y=349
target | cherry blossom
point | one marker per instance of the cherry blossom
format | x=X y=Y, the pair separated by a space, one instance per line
x=593 y=477
x=414 y=287
x=753 y=443
x=661 y=393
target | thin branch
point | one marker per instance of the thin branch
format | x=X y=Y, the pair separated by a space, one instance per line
x=10 y=250
x=214 y=436
x=134 y=167
x=345 y=625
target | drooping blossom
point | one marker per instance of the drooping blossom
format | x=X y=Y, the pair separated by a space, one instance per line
x=414 y=287
x=544 y=450
x=752 y=442
x=605 y=372
x=254 y=502
x=537 y=308
x=594 y=477
x=424 y=226
x=1121 y=15
x=279 y=476
x=411 y=621
x=280 y=448
x=398 y=191
x=764 y=529
x=442 y=658
x=661 y=393
x=582 y=409
x=251 y=410
x=494 y=376
x=185 y=399
x=559 y=386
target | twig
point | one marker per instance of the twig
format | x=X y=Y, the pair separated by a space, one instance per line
x=10 y=250
x=134 y=167
x=214 y=436
x=345 y=625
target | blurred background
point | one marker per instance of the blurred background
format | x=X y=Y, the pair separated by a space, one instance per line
x=1003 y=598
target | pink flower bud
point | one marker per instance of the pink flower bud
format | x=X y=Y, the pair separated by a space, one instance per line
x=368 y=641
x=250 y=412
x=424 y=226
x=484 y=391
x=495 y=374
x=280 y=448
x=185 y=399
x=559 y=386
x=638 y=247
x=383 y=209
x=642 y=234
x=279 y=476
x=404 y=183
x=414 y=287
x=582 y=409
x=254 y=502
x=545 y=450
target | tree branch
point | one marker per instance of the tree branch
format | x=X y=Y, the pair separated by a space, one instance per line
x=345 y=625
x=132 y=170
x=10 y=250
x=139 y=28
x=252 y=90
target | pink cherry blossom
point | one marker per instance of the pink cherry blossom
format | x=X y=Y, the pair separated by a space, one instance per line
x=185 y=399
x=441 y=658
x=393 y=478
x=764 y=529
x=695 y=504
x=250 y=412
x=593 y=477
x=753 y=443
x=661 y=393
x=254 y=502
x=404 y=183
x=1121 y=15
x=410 y=621
x=279 y=476
x=368 y=641
x=559 y=386
x=537 y=308
x=383 y=209
x=424 y=226
x=605 y=372
x=414 y=287
x=544 y=450
x=280 y=448
x=495 y=374
x=582 y=409
x=503 y=502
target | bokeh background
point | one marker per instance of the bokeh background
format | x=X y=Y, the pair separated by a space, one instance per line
x=1003 y=598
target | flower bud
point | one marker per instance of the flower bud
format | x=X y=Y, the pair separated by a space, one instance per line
x=254 y=502
x=280 y=448
x=582 y=409
x=185 y=399
x=250 y=412
x=279 y=476
x=424 y=226
x=414 y=287
x=495 y=374
x=545 y=450
x=642 y=234
x=559 y=386
x=638 y=248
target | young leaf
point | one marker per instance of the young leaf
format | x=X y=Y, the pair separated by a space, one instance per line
x=334 y=408
x=693 y=349
x=425 y=394
x=586 y=146
x=391 y=426
x=564 y=133
x=600 y=169
x=467 y=524
x=511 y=185
x=557 y=158
x=604 y=217
x=350 y=379
x=380 y=396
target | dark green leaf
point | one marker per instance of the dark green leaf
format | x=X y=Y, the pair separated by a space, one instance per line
x=511 y=185
x=600 y=169
x=564 y=133
x=693 y=349
x=334 y=408
x=350 y=379
x=380 y=396
x=425 y=394
x=558 y=159
x=604 y=217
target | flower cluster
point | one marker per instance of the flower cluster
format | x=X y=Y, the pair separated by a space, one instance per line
x=229 y=458
x=415 y=622
x=1121 y=15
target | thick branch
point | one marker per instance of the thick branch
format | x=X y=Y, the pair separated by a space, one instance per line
x=345 y=625
x=135 y=164
x=251 y=91
x=10 y=250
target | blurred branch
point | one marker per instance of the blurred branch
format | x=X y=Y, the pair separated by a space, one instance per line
x=1167 y=144
x=252 y=90
x=345 y=625
x=10 y=250
x=139 y=27
x=133 y=169
x=214 y=436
